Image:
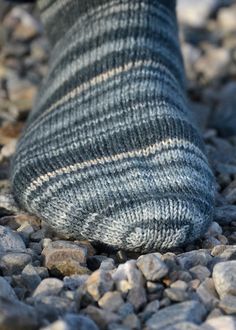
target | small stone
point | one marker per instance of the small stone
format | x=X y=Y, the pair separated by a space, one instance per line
x=137 y=297
x=123 y=286
x=210 y=243
x=42 y=272
x=193 y=258
x=228 y=304
x=99 y=283
x=151 y=308
x=175 y=294
x=25 y=229
x=189 y=311
x=72 y=322
x=117 y=326
x=229 y=253
x=200 y=272
x=13 y=263
x=220 y=323
x=74 y=281
x=154 y=287
x=179 y=285
x=152 y=267
x=225 y=214
x=224 y=276
x=214 y=230
x=111 y=301
x=53 y=307
x=216 y=312
x=48 y=287
x=226 y=18
x=126 y=309
x=207 y=293
x=195 y=14
x=133 y=274
x=100 y=316
x=17 y=314
x=94 y=262
x=132 y=322
x=30 y=277
x=107 y=264
x=65 y=258
x=37 y=236
x=10 y=241
x=6 y=290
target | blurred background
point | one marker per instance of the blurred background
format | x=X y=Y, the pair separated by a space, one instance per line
x=208 y=40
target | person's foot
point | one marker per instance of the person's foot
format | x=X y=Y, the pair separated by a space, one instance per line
x=110 y=152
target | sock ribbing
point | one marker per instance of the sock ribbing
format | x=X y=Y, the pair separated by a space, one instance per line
x=110 y=151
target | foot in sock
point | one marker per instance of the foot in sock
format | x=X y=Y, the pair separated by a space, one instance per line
x=110 y=152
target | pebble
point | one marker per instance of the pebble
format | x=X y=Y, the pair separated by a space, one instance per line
x=48 y=287
x=176 y=294
x=189 y=311
x=228 y=304
x=132 y=322
x=13 y=263
x=99 y=283
x=101 y=317
x=137 y=297
x=224 y=277
x=200 y=272
x=65 y=258
x=6 y=290
x=193 y=258
x=214 y=230
x=72 y=322
x=111 y=301
x=207 y=293
x=17 y=313
x=30 y=277
x=152 y=267
x=10 y=241
x=220 y=323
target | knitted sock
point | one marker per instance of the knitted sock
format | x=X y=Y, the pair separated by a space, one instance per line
x=110 y=152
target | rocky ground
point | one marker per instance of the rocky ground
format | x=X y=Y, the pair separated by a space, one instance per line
x=53 y=284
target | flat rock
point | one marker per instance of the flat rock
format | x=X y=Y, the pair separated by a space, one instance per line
x=17 y=313
x=65 y=258
x=48 y=287
x=99 y=283
x=152 y=267
x=224 y=277
x=189 y=311
x=10 y=241
x=176 y=294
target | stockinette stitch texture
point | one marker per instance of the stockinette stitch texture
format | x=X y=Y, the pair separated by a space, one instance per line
x=110 y=151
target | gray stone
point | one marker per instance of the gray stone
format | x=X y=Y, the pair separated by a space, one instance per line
x=224 y=276
x=111 y=301
x=214 y=229
x=72 y=322
x=10 y=241
x=13 y=262
x=17 y=315
x=74 y=281
x=137 y=297
x=207 y=293
x=179 y=285
x=228 y=304
x=30 y=277
x=152 y=267
x=189 y=311
x=126 y=309
x=195 y=13
x=6 y=290
x=220 y=323
x=99 y=283
x=151 y=308
x=48 y=287
x=175 y=294
x=132 y=322
x=183 y=326
x=107 y=264
x=200 y=272
x=225 y=214
x=52 y=307
x=100 y=316
x=193 y=258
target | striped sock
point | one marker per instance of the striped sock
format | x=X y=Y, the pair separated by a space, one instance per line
x=110 y=152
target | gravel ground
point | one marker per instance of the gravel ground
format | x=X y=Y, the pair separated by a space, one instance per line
x=49 y=283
